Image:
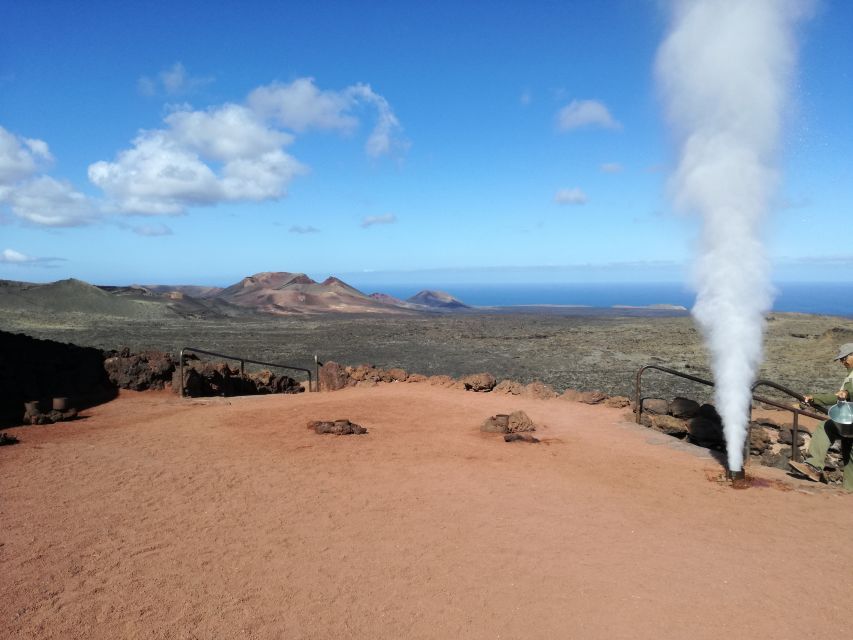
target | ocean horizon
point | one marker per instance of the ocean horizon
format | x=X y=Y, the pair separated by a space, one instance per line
x=825 y=298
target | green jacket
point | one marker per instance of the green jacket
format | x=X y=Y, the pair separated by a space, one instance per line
x=826 y=400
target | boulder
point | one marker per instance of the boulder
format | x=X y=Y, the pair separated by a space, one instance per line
x=683 y=408
x=759 y=439
x=540 y=390
x=332 y=377
x=363 y=372
x=479 y=382
x=441 y=381
x=592 y=397
x=496 y=424
x=515 y=422
x=786 y=436
x=416 y=377
x=519 y=421
x=709 y=412
x=705 y=432
x=336 y=427
x=397 y=375
x=509 y=387
x=140 y=371
x=657 y=406
x=669 y=425
x=520 y=437
x=617 y=402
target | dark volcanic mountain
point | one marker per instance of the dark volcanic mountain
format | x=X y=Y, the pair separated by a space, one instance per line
x=437 y=300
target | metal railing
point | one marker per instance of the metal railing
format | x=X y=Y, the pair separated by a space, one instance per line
x=796 y=411
x=242 y=362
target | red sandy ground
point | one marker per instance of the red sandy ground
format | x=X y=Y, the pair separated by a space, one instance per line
x=157 y=517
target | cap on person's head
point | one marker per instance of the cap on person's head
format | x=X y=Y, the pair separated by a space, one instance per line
x=844 y=351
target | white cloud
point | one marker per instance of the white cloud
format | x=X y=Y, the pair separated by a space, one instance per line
x=301 y=229
x=225 y=133
x=301 y=106
x=152 y=231
x=49 y=202
x=166 y=170
x=10 y=256
x=20 y=158
x=369 y=221
x=570 y=196
x=611 y=167
x=586 y=113
x=234 y=152
x=172 y=81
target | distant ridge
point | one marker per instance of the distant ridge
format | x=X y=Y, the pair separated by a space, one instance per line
x=268 y=292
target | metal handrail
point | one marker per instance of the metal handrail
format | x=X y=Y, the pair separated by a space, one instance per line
x=242 y=362
x=795 y=451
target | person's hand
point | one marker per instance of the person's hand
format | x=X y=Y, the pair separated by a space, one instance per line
x=842 y=395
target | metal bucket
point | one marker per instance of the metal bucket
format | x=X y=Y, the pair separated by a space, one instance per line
x=841 y=414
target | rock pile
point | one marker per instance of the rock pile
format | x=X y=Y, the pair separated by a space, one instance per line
x=334 y=376
x=140 y=371
x=336 y=427
x=34 y=414
x=514 y=422
x=219 y=379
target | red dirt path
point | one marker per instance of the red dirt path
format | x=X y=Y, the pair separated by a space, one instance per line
x=157 y=517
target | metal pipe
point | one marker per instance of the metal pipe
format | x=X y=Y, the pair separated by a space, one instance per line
x=795 y=440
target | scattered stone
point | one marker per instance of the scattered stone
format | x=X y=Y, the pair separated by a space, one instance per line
x=35 y=416
x=332 y=377
x=479 y=382
x=336 y=427
x=683 y=408
x=657 y=406
x=759 y=439
x=617 y=402
x=496 y=424
x=520 y=437
x=6 y=439
x=416 y=377
x=540 y=390
x=592 y=397
x=509 y=387
x=515 y=422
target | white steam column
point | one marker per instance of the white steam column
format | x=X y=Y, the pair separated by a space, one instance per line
x=725 y=69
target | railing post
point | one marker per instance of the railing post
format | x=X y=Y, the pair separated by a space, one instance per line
x=181 y=364
x=317 y=372
x=795 y=438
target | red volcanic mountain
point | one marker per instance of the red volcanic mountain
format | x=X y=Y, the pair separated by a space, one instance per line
x=282 y=292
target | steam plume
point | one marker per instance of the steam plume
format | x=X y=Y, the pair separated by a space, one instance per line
x=724 y=70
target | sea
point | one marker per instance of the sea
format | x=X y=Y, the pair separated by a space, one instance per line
x=825 y=298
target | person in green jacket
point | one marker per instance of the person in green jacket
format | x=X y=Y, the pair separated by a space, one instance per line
x=827 y=432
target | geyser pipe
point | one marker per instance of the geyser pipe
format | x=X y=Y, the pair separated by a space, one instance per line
x=724 y=70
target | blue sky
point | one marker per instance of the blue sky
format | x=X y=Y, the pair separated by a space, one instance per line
x=391 y=142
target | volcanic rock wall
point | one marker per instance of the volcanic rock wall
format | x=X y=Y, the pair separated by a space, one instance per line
x=32 y=369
